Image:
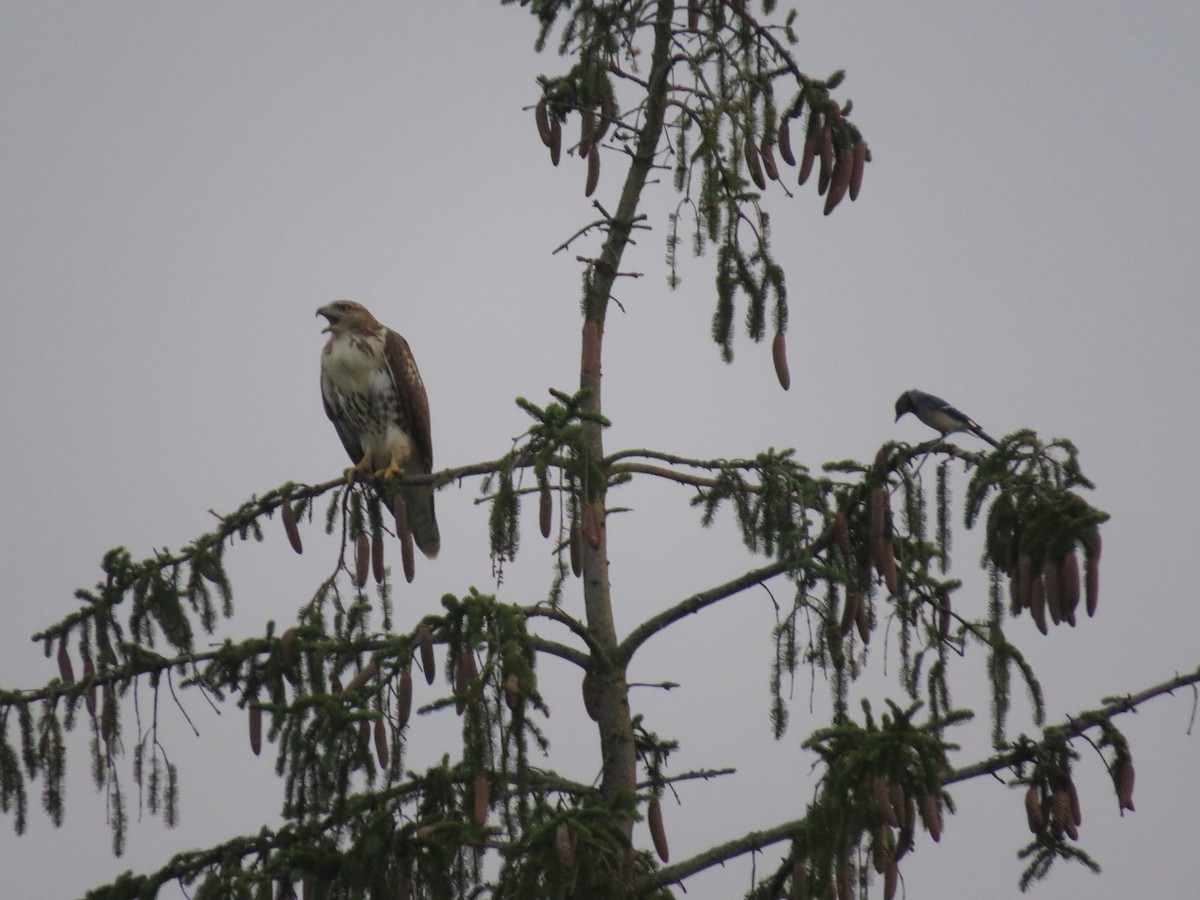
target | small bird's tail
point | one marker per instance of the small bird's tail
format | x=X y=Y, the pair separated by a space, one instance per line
x=979 y=432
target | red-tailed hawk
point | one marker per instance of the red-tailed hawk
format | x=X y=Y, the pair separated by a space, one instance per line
x=376 y=400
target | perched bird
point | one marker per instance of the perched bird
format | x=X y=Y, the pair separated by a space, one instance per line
x=376 y=400
x=938 y=414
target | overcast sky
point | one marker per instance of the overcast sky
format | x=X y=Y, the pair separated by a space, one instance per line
x=184 y=184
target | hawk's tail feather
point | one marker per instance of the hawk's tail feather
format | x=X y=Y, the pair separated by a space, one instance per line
x=422 y=521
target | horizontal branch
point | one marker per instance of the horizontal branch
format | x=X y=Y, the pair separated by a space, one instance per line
x=147 y=662
x=1074 y=727
x=562 y=651
x=694 y=604
x=663 y=472
x=236 y=523
x=581 y=659
x=720 y=854
x=675 y=460
x=757 y=840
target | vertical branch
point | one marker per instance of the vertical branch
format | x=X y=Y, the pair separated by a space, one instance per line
x=619 y=778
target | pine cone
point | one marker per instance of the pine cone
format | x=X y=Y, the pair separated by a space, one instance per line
x=1123 y=777
x=587 y=125
x=1050 y=586
x=825 y=153
x=891 y=877
x=362 y=560
x=1033 y=810
x=543 y=121
x=898 y=798
x=1068 y=585
x=89 y=693
x=365 y=674
x=1060 y=811
x=565 y=842
x=108 y=712
x=931 y=816
x=858 y=163
x=863 y=620
x=770 y=169
x=841 y=535
x=377 y=556
x=287 y=654
x=812 y=144
x=657 y=832
x=482 y=800
x=589 y=697
x=839 y=180
x=288 y=515
x=407 y=562
x=400 y=515
x=555 y=141
x=65 y=670
x=424 y=642
x=779 y=356
x=464 y=673
x=404 y=696
x=1091 y=575
x=545 y=510
x=593 y=171
x=255 y=728
x=1037 y=603
x=784 y=139
x=882 y=791
x=878 y=512
x=753 y=165
x=381 y=744
x=850 y=609
x=891 y=575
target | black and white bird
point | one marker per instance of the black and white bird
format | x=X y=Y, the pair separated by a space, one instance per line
x=938 y=414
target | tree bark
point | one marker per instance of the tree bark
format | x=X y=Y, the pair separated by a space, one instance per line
x=608 y=680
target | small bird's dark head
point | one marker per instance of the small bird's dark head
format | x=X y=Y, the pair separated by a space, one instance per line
x=346 y=314
x=905 y=404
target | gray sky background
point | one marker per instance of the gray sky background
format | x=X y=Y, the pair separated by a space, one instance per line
x=183 y=184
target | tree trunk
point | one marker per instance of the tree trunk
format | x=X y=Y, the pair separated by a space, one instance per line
x=611 y=691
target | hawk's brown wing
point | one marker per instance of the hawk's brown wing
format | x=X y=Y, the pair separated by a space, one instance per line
x=412 y=394
x=349 y=440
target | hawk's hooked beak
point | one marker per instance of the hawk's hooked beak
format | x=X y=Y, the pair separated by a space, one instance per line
x=330 y=316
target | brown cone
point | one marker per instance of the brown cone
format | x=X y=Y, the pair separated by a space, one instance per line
x=779 y=356
x=658 y=832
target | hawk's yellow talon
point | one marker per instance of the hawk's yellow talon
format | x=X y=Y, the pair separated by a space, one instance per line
x=393 y=471
x=353 y=473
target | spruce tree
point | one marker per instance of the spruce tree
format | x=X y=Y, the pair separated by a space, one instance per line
x=709 y=94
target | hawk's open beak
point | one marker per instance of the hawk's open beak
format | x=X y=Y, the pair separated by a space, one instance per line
x=324 y=311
